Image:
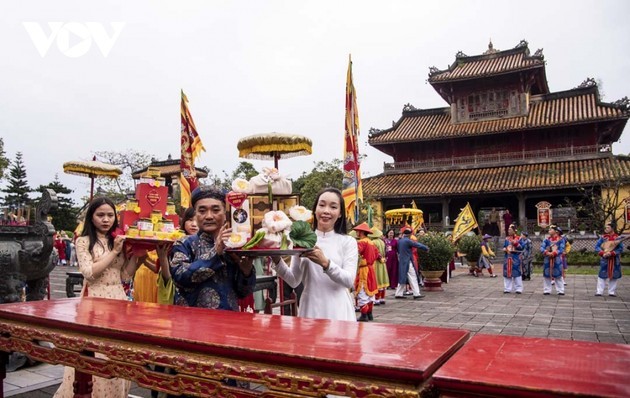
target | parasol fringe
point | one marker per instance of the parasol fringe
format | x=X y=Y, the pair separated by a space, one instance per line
x=81 y=168
x=265 y=146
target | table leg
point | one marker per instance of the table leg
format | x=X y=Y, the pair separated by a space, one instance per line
x=82 y=385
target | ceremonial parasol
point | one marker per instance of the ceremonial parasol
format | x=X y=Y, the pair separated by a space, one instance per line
x=92 y=169
x=274 y=146
x=398 y=216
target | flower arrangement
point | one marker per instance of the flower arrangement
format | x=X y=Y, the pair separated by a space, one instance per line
x=280 y=232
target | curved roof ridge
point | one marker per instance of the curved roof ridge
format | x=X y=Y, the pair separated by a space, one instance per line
x=461 y=60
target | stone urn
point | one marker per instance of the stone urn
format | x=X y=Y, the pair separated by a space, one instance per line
x=432 y=281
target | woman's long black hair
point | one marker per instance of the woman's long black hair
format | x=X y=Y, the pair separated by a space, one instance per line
x=88 y=225
x=340 y=225
x=189 y=214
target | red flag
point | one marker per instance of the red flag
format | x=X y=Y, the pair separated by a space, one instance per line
x=351 y=185
x=191 y=148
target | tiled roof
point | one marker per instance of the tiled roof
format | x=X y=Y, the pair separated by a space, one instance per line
x=488 y=64
x=168 y=168
x=528 y=177
x=574 y=106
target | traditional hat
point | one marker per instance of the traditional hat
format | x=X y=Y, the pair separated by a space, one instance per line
x=556 y=228
x=363 y=227
x=407 y=231
x=486 y=236
x=376 y=233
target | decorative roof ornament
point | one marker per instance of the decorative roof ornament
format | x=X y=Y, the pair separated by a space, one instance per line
x=623 y=103
x=373 y=131
x=460 y=54
x=539 y=53
x=522 y=43
x=433 y=71
x=491 y=49
x=408 y=107
x=589 y=82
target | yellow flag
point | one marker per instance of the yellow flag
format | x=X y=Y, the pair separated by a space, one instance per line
x=191 y=147
x=352 y=190
x=464 y=223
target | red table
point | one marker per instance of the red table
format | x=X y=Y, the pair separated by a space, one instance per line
x=502 y=366
x=291 y=356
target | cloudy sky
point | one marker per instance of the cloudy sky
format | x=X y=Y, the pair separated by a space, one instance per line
x=107 y=75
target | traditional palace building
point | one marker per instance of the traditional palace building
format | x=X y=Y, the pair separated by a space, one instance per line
x=504 y=141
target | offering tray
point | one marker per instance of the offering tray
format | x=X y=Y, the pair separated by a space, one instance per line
x=138 y=242
x=267 y=252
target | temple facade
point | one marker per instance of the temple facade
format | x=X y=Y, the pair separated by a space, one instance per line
x=503 y=141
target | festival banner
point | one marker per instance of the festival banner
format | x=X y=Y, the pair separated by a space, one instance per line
x=351 y=185
x=191 y=147
x=464 y=223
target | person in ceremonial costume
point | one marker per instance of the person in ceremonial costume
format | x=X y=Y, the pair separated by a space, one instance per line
x=328 y=271
x=610 y=262
x=512 y=275
x=552 y=249
x=165 y=286
x=60 y=245
x=103 y=265
x=406 y=268
x=484 y=259
x=365 y=285
x=203 y=273
x=526 y=256
x=382 y=279
x=391 y=258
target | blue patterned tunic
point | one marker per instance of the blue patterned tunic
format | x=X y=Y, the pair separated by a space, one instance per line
x=552 y=266
x=609 y=267
x=512 y=260
x=205 y=279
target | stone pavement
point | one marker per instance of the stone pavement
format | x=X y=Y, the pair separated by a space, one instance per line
x=476 y=304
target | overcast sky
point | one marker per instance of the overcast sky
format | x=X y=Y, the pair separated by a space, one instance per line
x=251 y=67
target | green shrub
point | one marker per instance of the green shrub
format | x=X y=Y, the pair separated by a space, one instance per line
x=440 y=252
x=471 y=245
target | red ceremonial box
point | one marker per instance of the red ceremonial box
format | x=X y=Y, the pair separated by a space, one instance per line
x=150 y=198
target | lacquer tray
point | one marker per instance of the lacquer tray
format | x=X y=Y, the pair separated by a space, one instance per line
x=267 y=252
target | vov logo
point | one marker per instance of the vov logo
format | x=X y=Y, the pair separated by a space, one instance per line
x=74 y=39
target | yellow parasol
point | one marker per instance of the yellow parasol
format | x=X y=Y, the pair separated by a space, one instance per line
x=401 y=216
x=274 y=146
x=92 y=169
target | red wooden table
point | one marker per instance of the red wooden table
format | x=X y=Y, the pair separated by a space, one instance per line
x=290 y=356
x=501 y=366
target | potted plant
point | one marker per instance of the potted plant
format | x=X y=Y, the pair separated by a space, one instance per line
x=537 y=230
x=436 y=260
x=470 y=246
x=582 y=228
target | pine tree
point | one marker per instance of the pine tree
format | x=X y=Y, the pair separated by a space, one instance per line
x=4 y=162
x=17 y=190
x=64 y=218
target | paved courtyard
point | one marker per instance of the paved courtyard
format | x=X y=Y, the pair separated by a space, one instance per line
x=476 y=304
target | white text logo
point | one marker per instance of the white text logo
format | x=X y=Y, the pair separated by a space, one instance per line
x=74 y=39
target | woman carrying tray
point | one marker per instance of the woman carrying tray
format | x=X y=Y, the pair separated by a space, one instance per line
x=103 y=265
x=328 y=271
